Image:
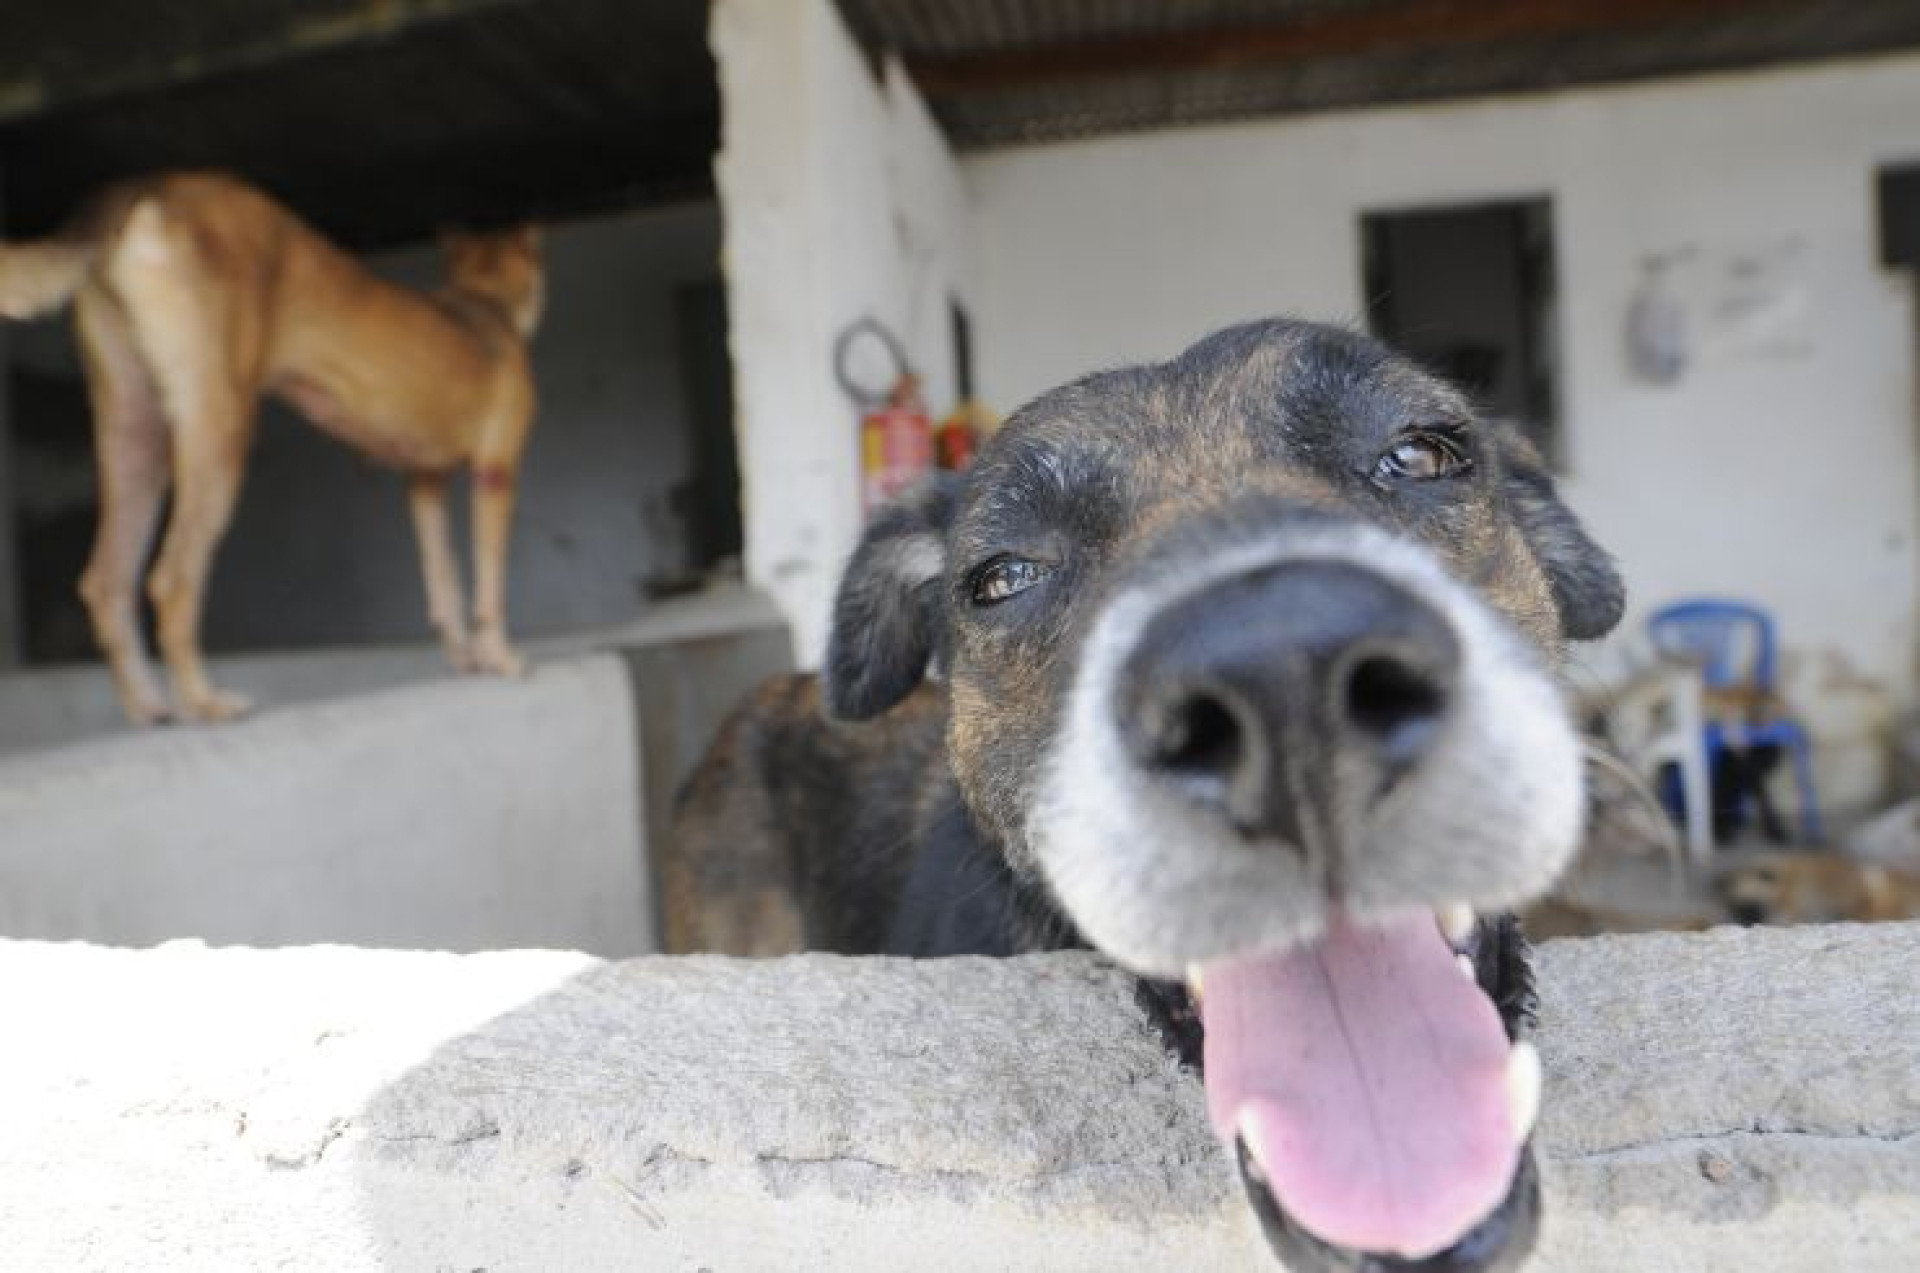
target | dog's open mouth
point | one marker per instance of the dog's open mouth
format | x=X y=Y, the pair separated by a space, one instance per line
x=1374 y=1091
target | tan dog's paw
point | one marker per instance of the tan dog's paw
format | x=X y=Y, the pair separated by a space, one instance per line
x=146 y=709
x=215 y=706
x=459 y=654
x=491 y=653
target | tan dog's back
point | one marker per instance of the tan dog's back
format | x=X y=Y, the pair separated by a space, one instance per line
x=412 y=379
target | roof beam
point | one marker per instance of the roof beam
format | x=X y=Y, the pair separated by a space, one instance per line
x=27 y=89
x=1414 y=25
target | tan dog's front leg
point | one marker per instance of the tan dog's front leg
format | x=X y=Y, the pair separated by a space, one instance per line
x=446 y=609
x=493 y=492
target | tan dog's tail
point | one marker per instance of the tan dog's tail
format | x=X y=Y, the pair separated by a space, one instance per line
x=39 y=278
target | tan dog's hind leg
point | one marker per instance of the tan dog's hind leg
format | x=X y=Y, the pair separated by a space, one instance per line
x=130 y=443
x=208 y=459
x=446 y=609
x=495 y=471
x=194 y=345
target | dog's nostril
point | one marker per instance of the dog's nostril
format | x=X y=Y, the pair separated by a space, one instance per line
x=1286 y=701
x=1198 y=736
x=1396 y=701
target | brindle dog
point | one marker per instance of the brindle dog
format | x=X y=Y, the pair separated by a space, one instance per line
x=1240 y=669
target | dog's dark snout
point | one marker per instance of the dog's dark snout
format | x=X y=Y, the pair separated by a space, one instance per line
x=1299 y=690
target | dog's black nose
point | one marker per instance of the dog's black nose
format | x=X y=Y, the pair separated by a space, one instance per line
x=1289 y=699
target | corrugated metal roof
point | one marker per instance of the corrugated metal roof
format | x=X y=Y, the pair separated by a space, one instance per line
x=382 y=119
x=959 y=28
x=1002 y=73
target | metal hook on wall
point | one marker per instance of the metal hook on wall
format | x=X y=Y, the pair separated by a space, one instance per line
x=844 y=347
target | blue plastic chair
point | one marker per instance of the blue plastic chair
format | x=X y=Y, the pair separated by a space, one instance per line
x=1732 y=643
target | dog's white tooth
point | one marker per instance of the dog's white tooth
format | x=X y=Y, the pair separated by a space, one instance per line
x=1456 y=922
x=1193 y=981
x=1254 y=1167
x=1523 y=1088
x=1467 y=970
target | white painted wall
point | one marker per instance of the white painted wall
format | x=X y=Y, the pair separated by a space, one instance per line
x=1788 y=475
x=841 y=200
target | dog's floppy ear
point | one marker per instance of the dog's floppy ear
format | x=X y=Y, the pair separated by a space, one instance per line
x=1586 y=586
x=887 y=621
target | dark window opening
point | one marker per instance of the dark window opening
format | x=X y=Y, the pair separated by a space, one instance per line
x=962 y=330
x=1469 y=292
x=55 y=505
x=709 y=500
x=1898 y=188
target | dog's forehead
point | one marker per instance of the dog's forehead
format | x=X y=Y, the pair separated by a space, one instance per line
x=1250 y=398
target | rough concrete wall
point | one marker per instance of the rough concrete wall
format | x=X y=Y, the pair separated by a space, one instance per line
x=1731 y=1101
x=461 y=814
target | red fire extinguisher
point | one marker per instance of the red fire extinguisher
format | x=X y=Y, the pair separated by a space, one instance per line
x=896 y=433
x=962 y=432
x=896 y=444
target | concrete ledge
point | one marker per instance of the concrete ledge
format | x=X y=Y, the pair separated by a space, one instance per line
x=464 y=814
x=44 y=707
x=453 y=813
x=1735 y=1100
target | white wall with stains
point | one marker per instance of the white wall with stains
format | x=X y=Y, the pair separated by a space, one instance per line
x=1781 y=466
x=841 y=201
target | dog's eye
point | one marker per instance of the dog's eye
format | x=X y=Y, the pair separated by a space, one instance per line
x=1005 y=577
x=1422 y=457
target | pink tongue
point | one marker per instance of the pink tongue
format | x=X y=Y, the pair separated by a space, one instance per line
x=1368 y=1078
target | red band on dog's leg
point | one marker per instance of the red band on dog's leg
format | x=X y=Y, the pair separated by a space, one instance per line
x=493 y=478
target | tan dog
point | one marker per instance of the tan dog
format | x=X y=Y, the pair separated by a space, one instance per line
x=194 y=295
x=1817 y=888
